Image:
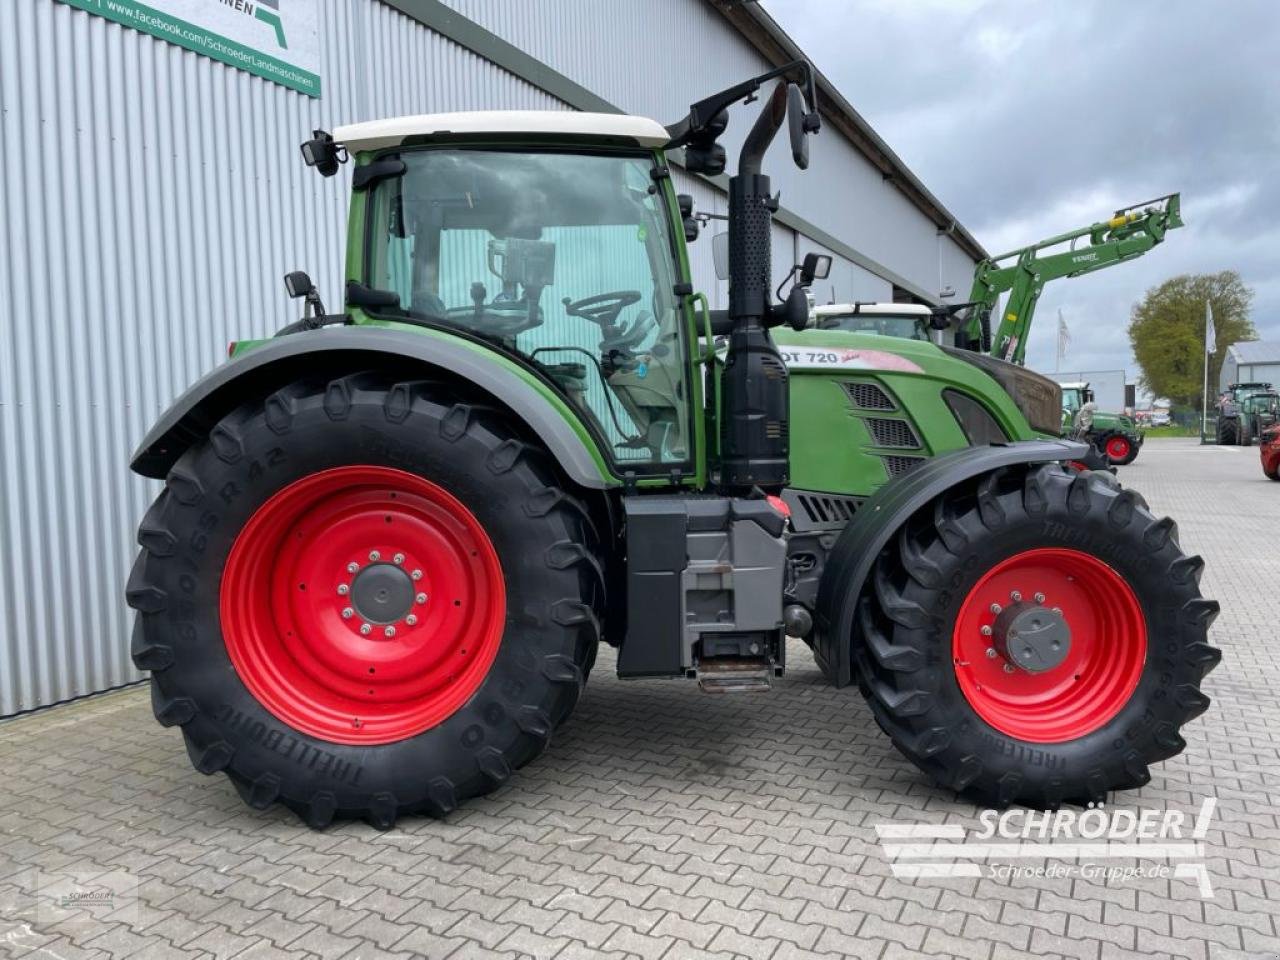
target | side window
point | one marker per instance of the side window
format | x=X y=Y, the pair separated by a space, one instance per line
x=565 y=258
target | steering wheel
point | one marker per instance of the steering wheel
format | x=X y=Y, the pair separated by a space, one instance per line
x=603 y=308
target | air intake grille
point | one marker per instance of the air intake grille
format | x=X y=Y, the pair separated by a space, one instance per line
x=892 y=433
x=867 y=396
x=896 y=466
x=819 y=511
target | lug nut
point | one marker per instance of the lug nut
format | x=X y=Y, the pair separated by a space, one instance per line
x=1008 y=668
x=417 y=574
x=991 y=653
x=411 y=619
x=348 y=613
x=1015 y=596
x=365 y=629
x=985 y=631
x=1039 y=598
x=398 y=558
x=996 y=608
x=374 y=555
x=1058 y=611
x=389 y=632
x=343 y=589
x=421 y=598
x=352 y=567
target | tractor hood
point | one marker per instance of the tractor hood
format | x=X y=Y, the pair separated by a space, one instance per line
x=1038 y=397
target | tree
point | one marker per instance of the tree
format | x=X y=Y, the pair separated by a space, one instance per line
x=1166 y=331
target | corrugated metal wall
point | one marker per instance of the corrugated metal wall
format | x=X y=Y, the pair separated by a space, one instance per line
x=151 y=199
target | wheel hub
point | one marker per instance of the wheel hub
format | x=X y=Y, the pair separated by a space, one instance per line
x=1032 y=637
x=1049 y=644
x=362 y=604
x=382 y=593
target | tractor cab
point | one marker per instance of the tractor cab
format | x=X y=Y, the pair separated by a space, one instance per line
x=560 y=254
x=908 y=321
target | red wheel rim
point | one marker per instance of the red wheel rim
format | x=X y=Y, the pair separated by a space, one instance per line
x=317 y=620
x=1103 y=662
x=1117 y=448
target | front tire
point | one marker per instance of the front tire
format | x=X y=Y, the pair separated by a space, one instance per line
x=1031 y=540
x=1228 y=432
x=361 y=598
x=1119 y=450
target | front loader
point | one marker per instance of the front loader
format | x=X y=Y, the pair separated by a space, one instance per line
x=391 y=538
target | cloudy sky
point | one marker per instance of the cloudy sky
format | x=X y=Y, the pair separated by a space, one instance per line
x=1027 y=118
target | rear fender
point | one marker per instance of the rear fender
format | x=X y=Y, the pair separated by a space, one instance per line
x=882 y=515
x=280 y=361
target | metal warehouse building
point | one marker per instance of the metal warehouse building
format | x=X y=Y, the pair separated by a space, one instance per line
x=152 y=196
x=1251 y=361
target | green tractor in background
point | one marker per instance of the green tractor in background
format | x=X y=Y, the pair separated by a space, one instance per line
x=391 y=539
x=1115 y=436
x=1244 y=411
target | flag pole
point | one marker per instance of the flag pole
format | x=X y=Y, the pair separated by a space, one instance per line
x=1210 y=345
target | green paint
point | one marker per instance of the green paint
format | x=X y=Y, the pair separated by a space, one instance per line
x=1022 y=273
x=833 y=450
x=267 y=17
x=206 y=42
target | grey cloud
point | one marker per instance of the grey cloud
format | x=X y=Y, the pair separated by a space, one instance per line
x=1016 y=114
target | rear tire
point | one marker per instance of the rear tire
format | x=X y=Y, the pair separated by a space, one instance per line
x=267 y=708
x=1228 y=432
x=1067 y=742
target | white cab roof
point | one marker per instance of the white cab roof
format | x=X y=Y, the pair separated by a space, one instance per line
x=874 y=309
x=378 y=134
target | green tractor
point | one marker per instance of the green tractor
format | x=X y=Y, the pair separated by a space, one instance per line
x=1244 y=411
x=1114 y=435
x=390 y=539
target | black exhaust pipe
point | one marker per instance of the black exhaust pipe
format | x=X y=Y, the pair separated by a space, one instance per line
x=754 y=441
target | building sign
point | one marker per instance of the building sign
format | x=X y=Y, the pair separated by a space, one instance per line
x=274 y=39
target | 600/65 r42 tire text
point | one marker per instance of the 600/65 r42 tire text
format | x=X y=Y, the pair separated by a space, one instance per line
x=1036 y=637
x=361 y=599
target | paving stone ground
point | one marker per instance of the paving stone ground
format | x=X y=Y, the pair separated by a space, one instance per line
x=662 y=822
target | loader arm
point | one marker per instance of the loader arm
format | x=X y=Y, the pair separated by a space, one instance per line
x=1023 y=273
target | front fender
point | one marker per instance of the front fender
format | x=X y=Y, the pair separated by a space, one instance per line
x=282 y=360
x=879 y=518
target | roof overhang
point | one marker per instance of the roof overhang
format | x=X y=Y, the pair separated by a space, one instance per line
x=569 y=125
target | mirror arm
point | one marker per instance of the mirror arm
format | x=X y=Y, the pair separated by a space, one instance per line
x=762 y=132
x=705 y=111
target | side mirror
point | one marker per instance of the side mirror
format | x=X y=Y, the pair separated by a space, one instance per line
x=720 y=255
x=691 y=229
x=799 y=125
x=685 y=202
x=298 y=284
x=322 y=153
x=795 y=125
x=816 y=266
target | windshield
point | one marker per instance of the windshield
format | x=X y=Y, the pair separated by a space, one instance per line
x=563 y=258
x=883 y=324
x=1071 y=399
